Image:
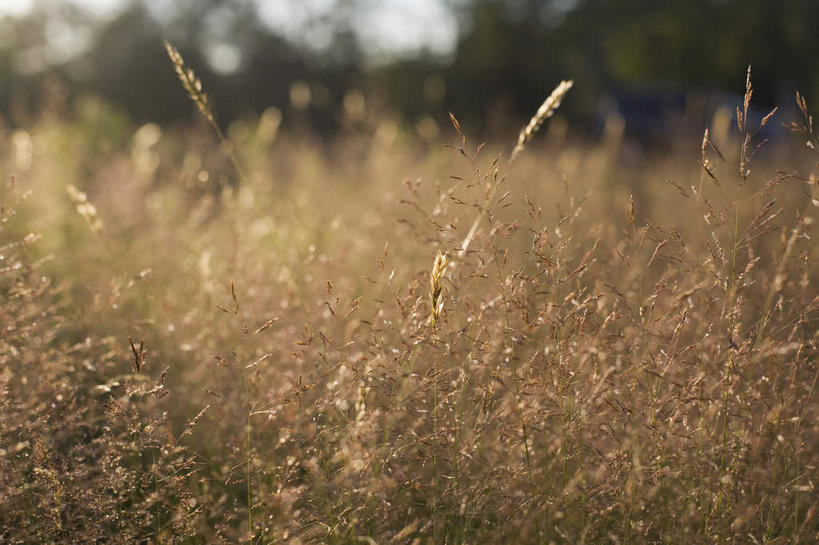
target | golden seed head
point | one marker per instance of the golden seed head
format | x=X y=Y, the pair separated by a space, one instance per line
x=546 y=110
x=190 y=82
x=436 y=287
x=84 y=208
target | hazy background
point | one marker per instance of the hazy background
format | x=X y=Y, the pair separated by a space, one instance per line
x=491 y=62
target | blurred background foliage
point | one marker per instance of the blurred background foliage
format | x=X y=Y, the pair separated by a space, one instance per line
x=489 y=61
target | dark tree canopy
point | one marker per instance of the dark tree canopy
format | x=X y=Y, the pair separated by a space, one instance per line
x=507 y=56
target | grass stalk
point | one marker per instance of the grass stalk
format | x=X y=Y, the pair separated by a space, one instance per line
x=195 y=91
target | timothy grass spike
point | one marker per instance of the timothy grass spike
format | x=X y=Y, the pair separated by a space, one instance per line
x=546 y=110
x=193 y=86
x=436 y=287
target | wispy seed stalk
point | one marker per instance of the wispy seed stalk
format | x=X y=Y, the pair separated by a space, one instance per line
x=193 y=86
x=546 y=110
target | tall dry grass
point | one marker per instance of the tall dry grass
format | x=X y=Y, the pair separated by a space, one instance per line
x=329 y=352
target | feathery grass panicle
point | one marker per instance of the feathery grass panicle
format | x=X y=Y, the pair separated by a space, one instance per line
x=805 y=127
x=546 y=110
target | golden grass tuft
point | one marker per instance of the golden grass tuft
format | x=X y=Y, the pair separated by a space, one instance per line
x=615 y=360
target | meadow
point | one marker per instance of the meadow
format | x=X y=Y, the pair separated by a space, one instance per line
x=260 y=336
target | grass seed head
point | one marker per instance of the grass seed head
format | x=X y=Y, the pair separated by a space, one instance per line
x=192 y=84
x=436 y=287
x=84 y=208
x=546 y=110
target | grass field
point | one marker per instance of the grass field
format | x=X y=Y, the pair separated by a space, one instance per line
x=275 y=339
